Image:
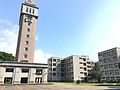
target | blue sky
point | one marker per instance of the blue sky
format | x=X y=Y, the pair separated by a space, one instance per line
x=68 y=27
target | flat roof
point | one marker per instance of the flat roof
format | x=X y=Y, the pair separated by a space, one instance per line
x=19 y=64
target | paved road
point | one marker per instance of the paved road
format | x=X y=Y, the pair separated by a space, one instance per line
x=56 y=87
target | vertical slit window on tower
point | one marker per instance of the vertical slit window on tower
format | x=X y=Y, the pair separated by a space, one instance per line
x=30 y=10
x=33 y=11
x=27 y=9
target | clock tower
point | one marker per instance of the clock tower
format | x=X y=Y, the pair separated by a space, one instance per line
x=27 y=30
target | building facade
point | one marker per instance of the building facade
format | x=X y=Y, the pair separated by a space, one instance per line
x=73 y=68
x=27 y=30
x=54 y=69
x=19 y=73
x=109 y=61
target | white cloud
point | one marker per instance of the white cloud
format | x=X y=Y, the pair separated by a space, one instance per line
x=8 y=36
x=41 y=57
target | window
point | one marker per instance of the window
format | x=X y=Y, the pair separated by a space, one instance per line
x=58 y=60
x=33 y=11
x=54 y=64
x=24 y=80
x=25 y=70
x=85 y=74
x=27 y=36
x=27 y=9
x=8 y=80
x=84 y=59
x=9 y=69
x=54 y=69
x=84 y=64
x=80 y=62
x=81 y=72
x=54 y=60
x=89 y=66
x=27 y=42
x=38 y=72
x=103 y=77
x=81 y=67
x=85 y=69
x=25 y=56
x=54 y=74
x=88 y=62
x=30 y=10
x=26 y=48
x=28 y=30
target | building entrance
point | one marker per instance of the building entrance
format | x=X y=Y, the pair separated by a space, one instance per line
x=8 y=80
x=38 y=80
x=24 y=80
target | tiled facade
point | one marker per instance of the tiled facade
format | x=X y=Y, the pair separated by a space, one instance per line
x=109 y=65
x=73 y=68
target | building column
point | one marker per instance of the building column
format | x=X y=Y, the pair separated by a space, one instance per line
x=44 y=75
x=17 y=76
x=31 y=76
x=2 y=70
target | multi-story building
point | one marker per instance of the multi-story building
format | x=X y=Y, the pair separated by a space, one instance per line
x=109 y=65
x=54 y=69
x=74 y=68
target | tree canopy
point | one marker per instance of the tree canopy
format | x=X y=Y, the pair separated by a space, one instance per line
x=6 y=56
x=95 y=73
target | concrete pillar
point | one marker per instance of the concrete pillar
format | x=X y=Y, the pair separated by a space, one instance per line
x=31 y=76
x=44 y=75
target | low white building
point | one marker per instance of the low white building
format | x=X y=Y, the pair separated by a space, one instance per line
x=18 y=73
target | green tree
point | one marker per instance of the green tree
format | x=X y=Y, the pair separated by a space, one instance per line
x=6 y=56
x=96 y=74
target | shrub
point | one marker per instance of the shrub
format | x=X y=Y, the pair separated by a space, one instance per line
x=78 y=81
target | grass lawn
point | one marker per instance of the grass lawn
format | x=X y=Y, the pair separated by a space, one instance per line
x=87 y=84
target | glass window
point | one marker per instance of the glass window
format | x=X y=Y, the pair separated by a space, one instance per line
x=38 y=72
x=9 y=69
x=25 y=70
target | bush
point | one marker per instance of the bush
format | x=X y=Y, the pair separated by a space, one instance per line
x=78 y=81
